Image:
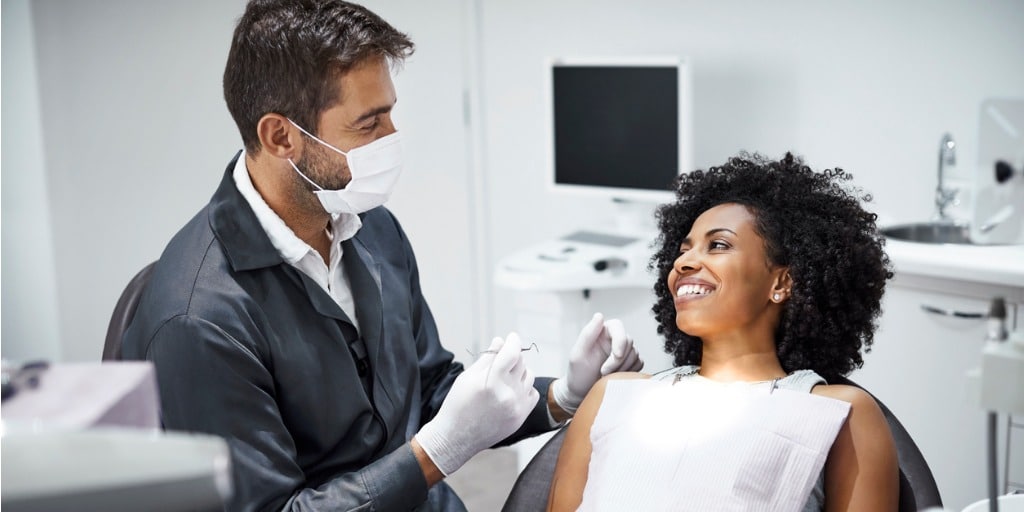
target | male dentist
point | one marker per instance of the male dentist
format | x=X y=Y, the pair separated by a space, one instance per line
x=287 y=315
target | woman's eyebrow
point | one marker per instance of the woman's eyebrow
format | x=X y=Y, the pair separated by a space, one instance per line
x=718 y=230
x=710 y=232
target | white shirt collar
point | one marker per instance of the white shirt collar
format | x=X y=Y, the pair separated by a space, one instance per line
x=288 y=245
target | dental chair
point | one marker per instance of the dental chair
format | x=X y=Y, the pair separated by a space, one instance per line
x=917 y=486
x=123 y=313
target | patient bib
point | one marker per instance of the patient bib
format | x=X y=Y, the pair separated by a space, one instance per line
x=697 y=444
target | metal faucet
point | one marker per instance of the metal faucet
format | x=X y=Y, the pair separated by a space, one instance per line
x=947 y=156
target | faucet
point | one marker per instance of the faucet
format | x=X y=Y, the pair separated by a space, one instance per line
x=943 y=197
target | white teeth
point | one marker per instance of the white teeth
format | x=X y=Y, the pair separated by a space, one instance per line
x=692 y=289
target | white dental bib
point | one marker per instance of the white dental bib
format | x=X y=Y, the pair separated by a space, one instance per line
x=696 y=444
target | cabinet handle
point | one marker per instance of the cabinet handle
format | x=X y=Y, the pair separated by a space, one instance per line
x=950 y=312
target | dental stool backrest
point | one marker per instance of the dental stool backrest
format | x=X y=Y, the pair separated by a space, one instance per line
x=123 y=313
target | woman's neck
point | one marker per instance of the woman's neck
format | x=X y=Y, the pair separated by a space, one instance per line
x=740 y=360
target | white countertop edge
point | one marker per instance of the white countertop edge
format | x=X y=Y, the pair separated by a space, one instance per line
x=994 y=264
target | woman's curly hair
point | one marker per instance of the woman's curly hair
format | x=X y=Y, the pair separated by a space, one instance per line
x=812 y=224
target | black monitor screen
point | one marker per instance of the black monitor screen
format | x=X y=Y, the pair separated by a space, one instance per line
x=616 y=126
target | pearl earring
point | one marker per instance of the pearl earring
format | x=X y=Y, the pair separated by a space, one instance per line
x=776 y=297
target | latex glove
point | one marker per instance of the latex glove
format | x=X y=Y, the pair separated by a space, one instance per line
x=486 y=404
x=601 y=348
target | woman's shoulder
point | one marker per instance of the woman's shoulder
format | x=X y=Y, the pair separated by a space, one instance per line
x=862 y=463
x=866 y=416
x=602 y=383
x=855 y=396
x=626 y=376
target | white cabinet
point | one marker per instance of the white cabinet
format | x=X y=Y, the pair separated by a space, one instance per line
x=918 y=368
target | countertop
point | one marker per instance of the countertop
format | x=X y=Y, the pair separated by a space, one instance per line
x=991 y=264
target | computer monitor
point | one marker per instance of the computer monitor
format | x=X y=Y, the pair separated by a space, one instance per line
x=619 y=127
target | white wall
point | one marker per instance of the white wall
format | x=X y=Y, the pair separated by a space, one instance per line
x=30 y=317
x=136 y=139
x=433 y=199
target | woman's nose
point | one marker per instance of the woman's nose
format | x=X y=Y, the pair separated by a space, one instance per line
x=687 y=261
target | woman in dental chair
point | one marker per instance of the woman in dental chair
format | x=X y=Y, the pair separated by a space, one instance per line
x=770 y=282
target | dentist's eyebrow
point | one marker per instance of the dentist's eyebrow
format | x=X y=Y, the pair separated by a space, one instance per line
x=373 y=113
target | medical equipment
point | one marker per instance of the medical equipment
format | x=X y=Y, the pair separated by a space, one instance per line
x=16 y=377
x=1001 y=383
x=619 y=127
x=115 y=469
x=998 y=203
x=86 y=436
x=582 y=260
x=533 y=346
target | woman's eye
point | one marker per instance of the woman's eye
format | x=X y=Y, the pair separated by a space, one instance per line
x=718 y=244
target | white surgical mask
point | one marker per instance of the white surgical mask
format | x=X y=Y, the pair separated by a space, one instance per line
x=374 y=167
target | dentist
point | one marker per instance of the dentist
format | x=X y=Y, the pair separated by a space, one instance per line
x=287 y=315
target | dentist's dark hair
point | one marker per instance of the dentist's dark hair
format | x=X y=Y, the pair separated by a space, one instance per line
x=812 y=223
x=286 y=57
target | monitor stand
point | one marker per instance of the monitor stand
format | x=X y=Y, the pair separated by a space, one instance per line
x=630 y=217
x=596 y=238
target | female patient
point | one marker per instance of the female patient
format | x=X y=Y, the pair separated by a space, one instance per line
x=771 y=277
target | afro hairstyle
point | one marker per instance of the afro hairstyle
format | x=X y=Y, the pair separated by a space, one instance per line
x=811 y=222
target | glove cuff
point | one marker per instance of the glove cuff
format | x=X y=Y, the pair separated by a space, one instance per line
x=448 y=456
x=564 y=397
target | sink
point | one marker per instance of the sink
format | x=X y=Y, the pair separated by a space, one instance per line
x=930 y=233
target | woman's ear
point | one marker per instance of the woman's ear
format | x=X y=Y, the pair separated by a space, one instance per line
x=278 y=136
x=782 y=286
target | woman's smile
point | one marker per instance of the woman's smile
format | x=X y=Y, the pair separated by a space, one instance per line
x=691 y=289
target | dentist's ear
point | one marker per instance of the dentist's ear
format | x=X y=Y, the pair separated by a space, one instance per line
x=278 y=137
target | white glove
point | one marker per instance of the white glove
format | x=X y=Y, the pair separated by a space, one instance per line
x=601 y=348
x=486 y=404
